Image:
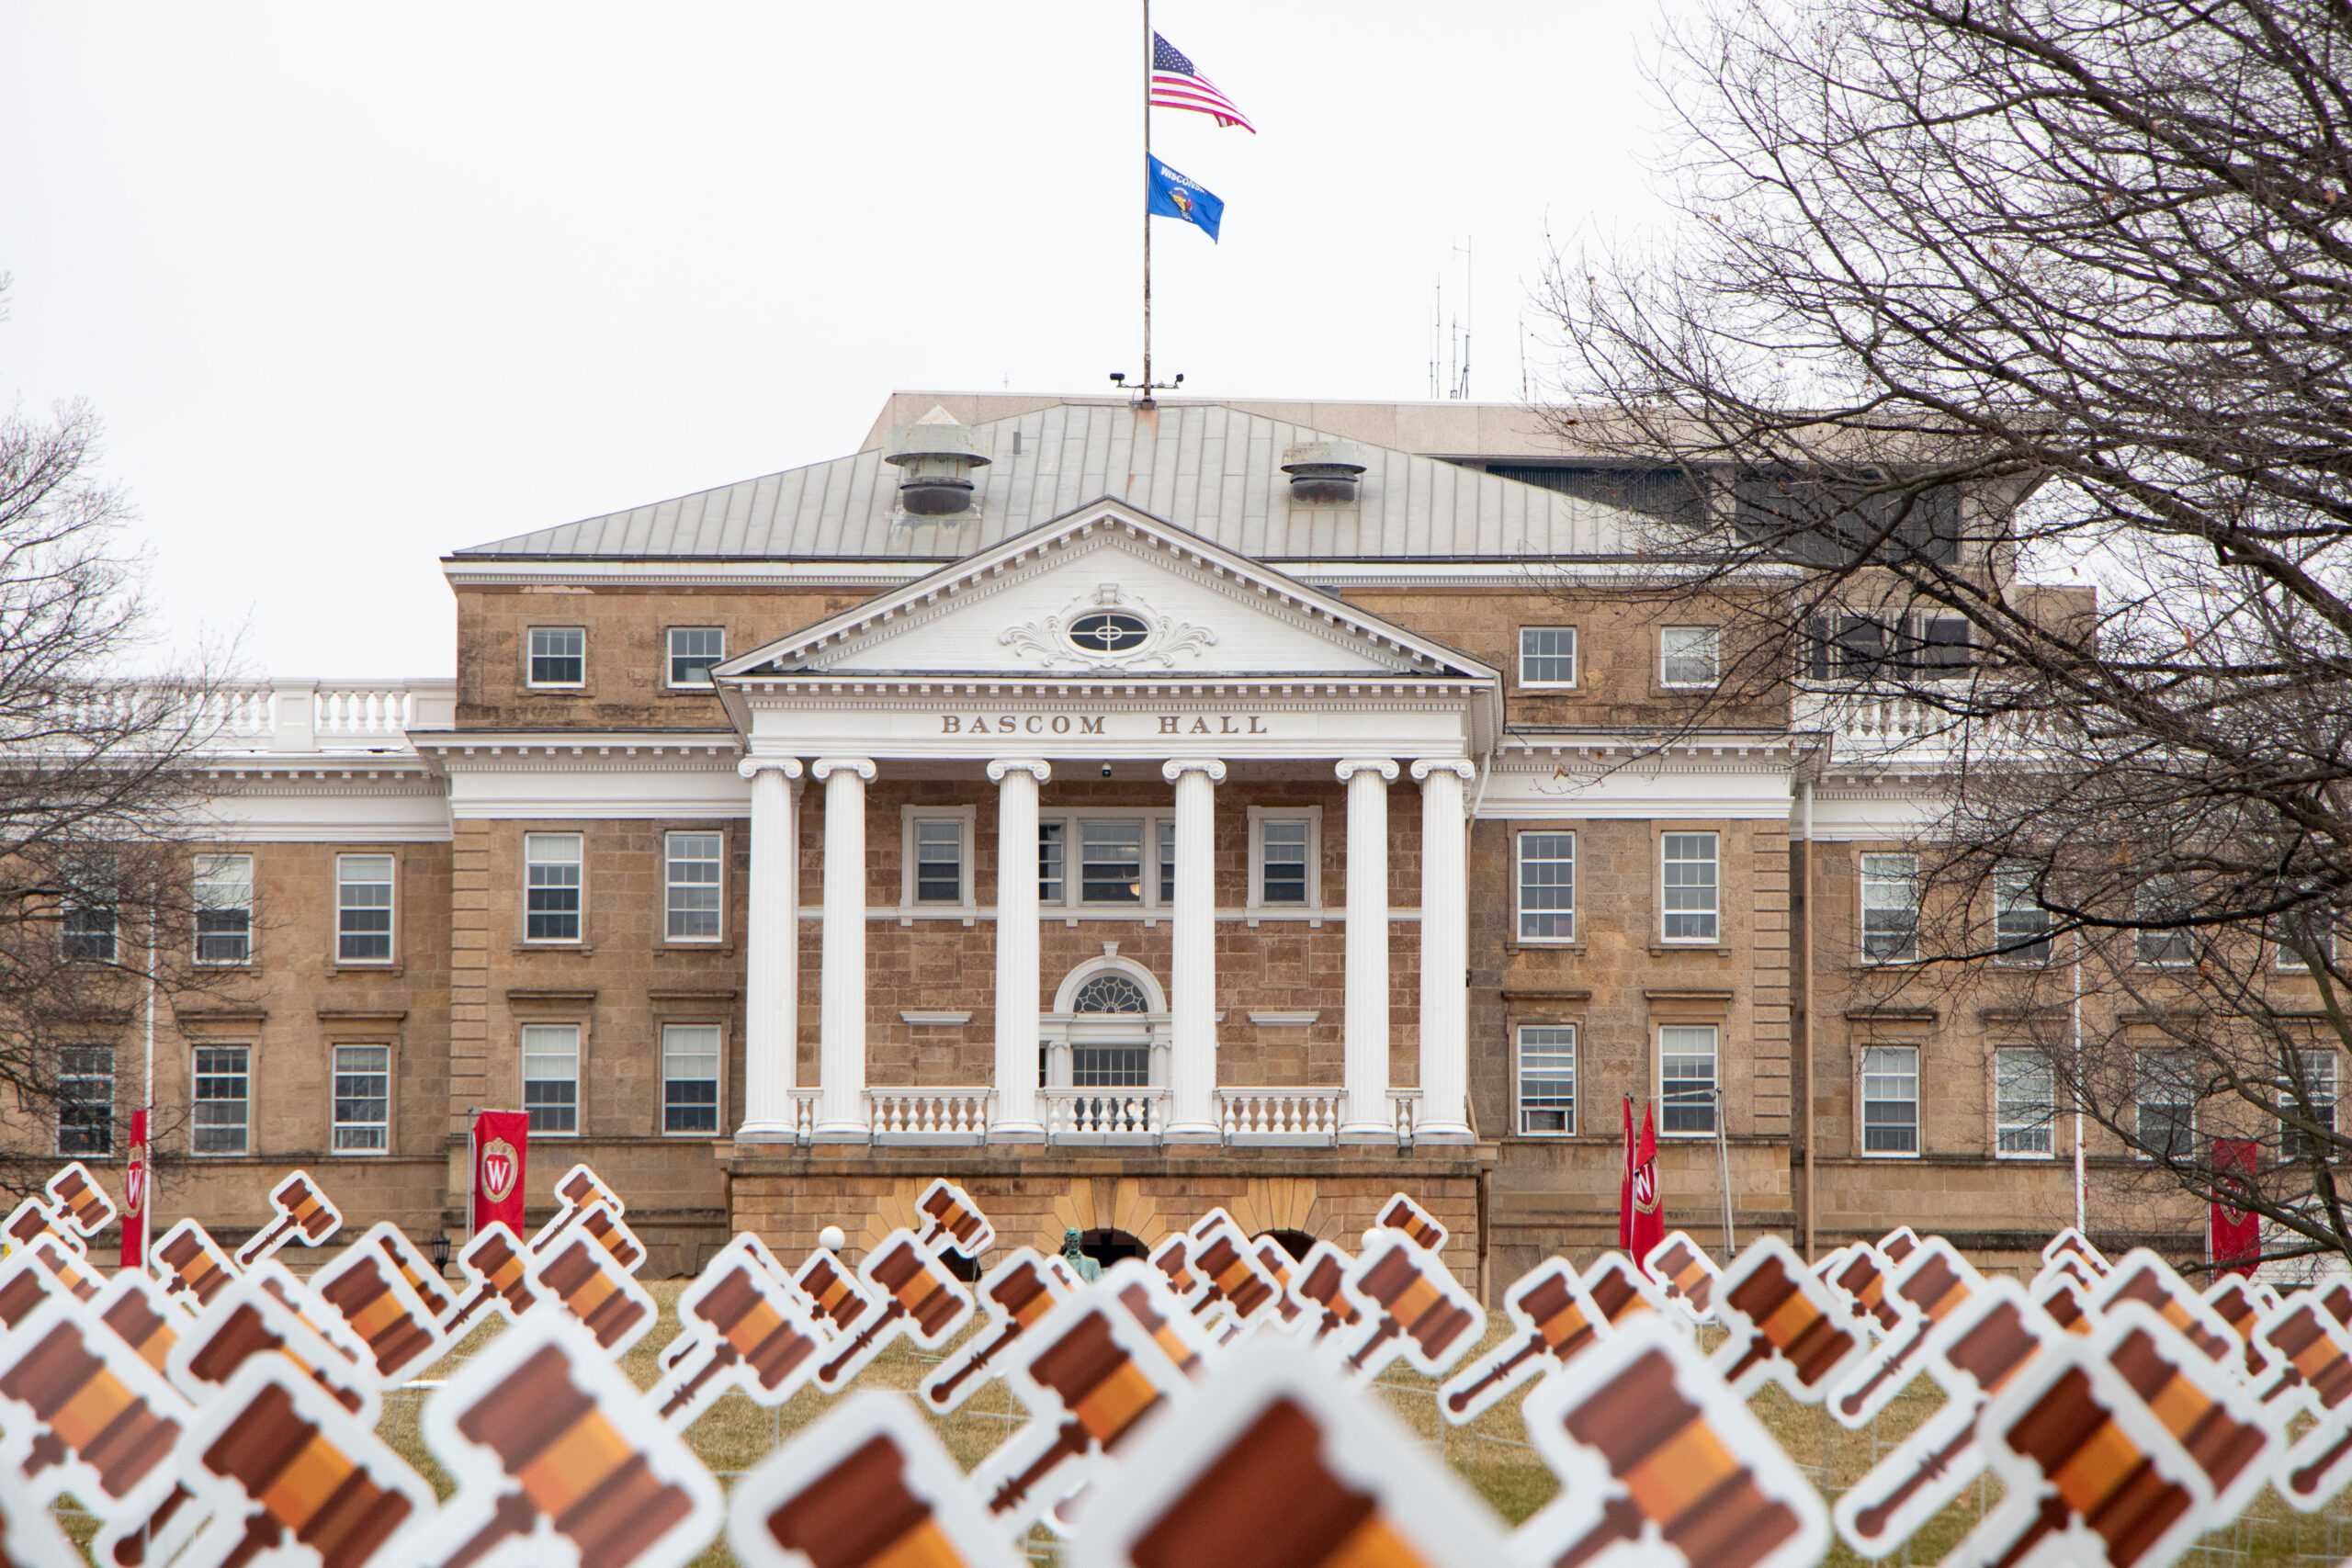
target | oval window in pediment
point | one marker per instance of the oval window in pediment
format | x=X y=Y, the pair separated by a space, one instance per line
x=1108 y=631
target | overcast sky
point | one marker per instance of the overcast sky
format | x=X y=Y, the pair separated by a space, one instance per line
x=354 y=286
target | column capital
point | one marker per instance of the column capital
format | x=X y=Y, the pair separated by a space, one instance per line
x=1037 y=767
x=824 y=768
x=1177 y=767
x=1460 y=767
x=1349 y=767
x=753 y=767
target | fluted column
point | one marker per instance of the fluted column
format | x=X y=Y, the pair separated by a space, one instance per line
x=1368 y=1117
x=841 y=1042
x=1016 y=1120
x=1192 y=1000
x=772 y=953
x=1445 y=954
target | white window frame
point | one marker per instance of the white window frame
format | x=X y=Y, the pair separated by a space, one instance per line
x=197 y=1075
x=390 y=883
x=2334 y=1097
x=534 y=856
x=1714 y=1107
x=671 y=885
x=1519 y=1048
x=1060 y=895
x=337 y=1125
x=90 y=868
x=2290 y=962
x=1310 y=815
x=200 y=880
x=1884 y=875
x=525 y=1053
x=58 y=1119
x=1147 y=862
x=1863 y=1100
x=2006 y=1126
x=717 y=1079
x=2009 y=900
x=669 y=658
x=1519 y=911
x=531 y=659
x=2140 y=1101
x=1714 y=911
x=1574 y=657
x=966 y=819
x=2148 y=901
x=1711 y=639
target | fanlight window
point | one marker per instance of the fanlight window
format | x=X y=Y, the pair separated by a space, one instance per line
x=1108 y=631
x=1111 y=993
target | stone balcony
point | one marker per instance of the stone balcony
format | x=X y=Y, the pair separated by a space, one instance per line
x=1104 y=1118
x=292 y=717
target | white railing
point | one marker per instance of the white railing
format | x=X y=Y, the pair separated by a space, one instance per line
x=279 y=716
x=804 y=1114
x=927 y=1115
x=1104 y=1115
x=367 y=710
x=1407 y=1104
x=1870 y=723
x=1279 y=1115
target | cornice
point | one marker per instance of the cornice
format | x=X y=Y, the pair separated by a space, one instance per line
x=801 y=690
x=469 y=752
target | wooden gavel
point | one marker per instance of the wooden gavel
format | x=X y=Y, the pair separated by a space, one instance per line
x=1787 y=1324
x=138 y=1325
x=199 y=1268
x=428 y=1284
x=505 y=1277
x=2061 y=1299
x=1276 y=1260
x=1688 y=1273
x=1173 y=1258
x=1403 y=1214
x=34 y=1218
x=362 y=1291
x=1897 y=1244
x=744 y=1327
x=1228 y=1274
x=1864 y=1283
x=1991 y=1352
x=1615 y=1290
x=914 y=1288
x=2222 y=1445
x=1137 y=1301
x=92 y=1210
x=65 y=1267
x=1559 y=1330
x=1411 y=1304
x=2096 y=1474
x=301 y=1208
x=87 y=1411
x=308 y=1489
x=839 y=1298
x=950 y=1212
x=579 y=1188
x=2142 y=1283
x=2309 y=1355
x=245 y=1334
x=1938 y=1290
x=583 y=1278
x=861 y=1513
x=1100 y=1387
x=1321 y=1283
x=2234 y=1304
x=1023 y=1295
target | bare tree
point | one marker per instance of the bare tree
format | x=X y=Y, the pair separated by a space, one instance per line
x=1966 y=294
x=99 y=795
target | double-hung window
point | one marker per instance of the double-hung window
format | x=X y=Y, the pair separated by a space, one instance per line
x=1891 y=1100
x=1110 y=860
x=1167 y=863
x=1686 y=1078
x=90 y=900
x=1547 y=886
x=2162 y=898
x=551 y=1076
x=1690 y=656
x=1547 y=1079
x=693 y=651
x=2313 y=1099
x=1053 y=851
x=2166 y=1089
x=1547 y=656
x=693 y=881
x=1285 y=846
x=2309 y=930
x=86 y=1101
x=224 y=908
x=2021 y=925
x=552 y=886
x=559 y=656
x=223 y=1098
x=2024 y=1106
x=363 y=1099
x=363 y=908
x=939 y=860
x=1890 y=908
x=690 y=1080
x=1689 y=887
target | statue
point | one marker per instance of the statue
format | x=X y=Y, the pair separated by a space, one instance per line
x=1085 y=1267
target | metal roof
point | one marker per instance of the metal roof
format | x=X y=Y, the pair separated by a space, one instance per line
x=1211 y=469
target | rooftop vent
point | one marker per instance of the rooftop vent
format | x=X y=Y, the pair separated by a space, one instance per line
x=935 y=458
x=1323 y=471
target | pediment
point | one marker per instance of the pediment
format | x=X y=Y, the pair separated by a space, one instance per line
x=1105 y=591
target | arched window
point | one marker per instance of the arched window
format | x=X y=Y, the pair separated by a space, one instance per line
x=1110 y=992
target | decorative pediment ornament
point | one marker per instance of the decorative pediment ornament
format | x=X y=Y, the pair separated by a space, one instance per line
x=1098 y=631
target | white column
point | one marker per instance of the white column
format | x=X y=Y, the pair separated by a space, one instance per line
x=1192 y=999
x=841 y=1042
x=1367 y=1117
x=1016 y=1120
x=1445 y=954
x=772 y=953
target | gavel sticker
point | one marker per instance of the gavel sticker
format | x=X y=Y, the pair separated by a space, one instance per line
x=1173 y=1258
x=366 y=1287
x=578 y=1189
x=66 y=1269
x=544 y=1433
x=1554 y=1320
x=2064 y=1302
x=504 y=1279
x=39 y=1216
x=746 y=1331
x=1780 y=1325
x=1933 y=1282
x=869 y=1485
x=139 y=1313
x=2216 y=1416
x=1896 y=1245
x=2234 y=1301
x=391 y=1244
x=282 y=1465
x=2140 y=1276
x=194 y=1268
x=1186 y=1339
x=1275 y=1259
x=1402 y=1214
x=1648 y=1442
x=1089 y=1374
x=248 y=1320
x=1418 y=1309
x=2316 y=1352
x=1687 y=1275
x=1273 y=1465
x=87 y=1208
x=609 y=1231
x=2071 y=1242
x=1861 y=1279
x=1228 y=1269
x=1971 y=1352
x=755 y=1250
x=1618 y=1290
x=953 y=1221
x=918 y=1298
x=842 y=1299
x=1315 y=1288
x=84 y=1414
x=1018 y=1293
x=303 y=1213
x=587 y=1283
x=25 y=1283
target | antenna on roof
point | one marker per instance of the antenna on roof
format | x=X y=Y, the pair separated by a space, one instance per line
x=1437 y=326
x=1461 y=380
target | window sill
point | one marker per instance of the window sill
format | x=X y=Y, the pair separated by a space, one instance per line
x=357 y=1154
x=967 y=913
x=528 y=690
x=1552 y=689
x=1545 y=944
x=582 y=949
x=1660 y=949
x=722 y=948
x=1886 y=1154
x=2042 y=1156
x=349 y=966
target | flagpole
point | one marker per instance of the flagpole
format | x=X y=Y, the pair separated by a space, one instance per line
x=1146 y=202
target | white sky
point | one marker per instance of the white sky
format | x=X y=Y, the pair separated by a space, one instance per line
x=354 y=286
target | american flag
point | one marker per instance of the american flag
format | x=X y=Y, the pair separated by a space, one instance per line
x=1177 y=84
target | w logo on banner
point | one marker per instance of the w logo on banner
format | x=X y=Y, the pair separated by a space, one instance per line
x=500 y=1140
x=1640 y=1226
x=500 y=1165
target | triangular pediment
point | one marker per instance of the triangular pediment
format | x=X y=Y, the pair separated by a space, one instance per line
x=1106 y=590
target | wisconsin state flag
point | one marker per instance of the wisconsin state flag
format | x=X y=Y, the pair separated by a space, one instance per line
x=1640 y=1223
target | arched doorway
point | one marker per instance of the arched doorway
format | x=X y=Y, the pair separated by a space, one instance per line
x=1108 y=1029
x=1296 y=1243
x=1109 y=1246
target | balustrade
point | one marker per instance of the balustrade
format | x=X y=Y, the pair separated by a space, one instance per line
x=927 y=1115
x=1104 y=1115
x=1280 y=1116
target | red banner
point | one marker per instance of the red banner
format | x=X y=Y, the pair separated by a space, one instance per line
x=1641 y=1225
x=137 y=1190
x=2234 y=1236
x=500 y=1140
